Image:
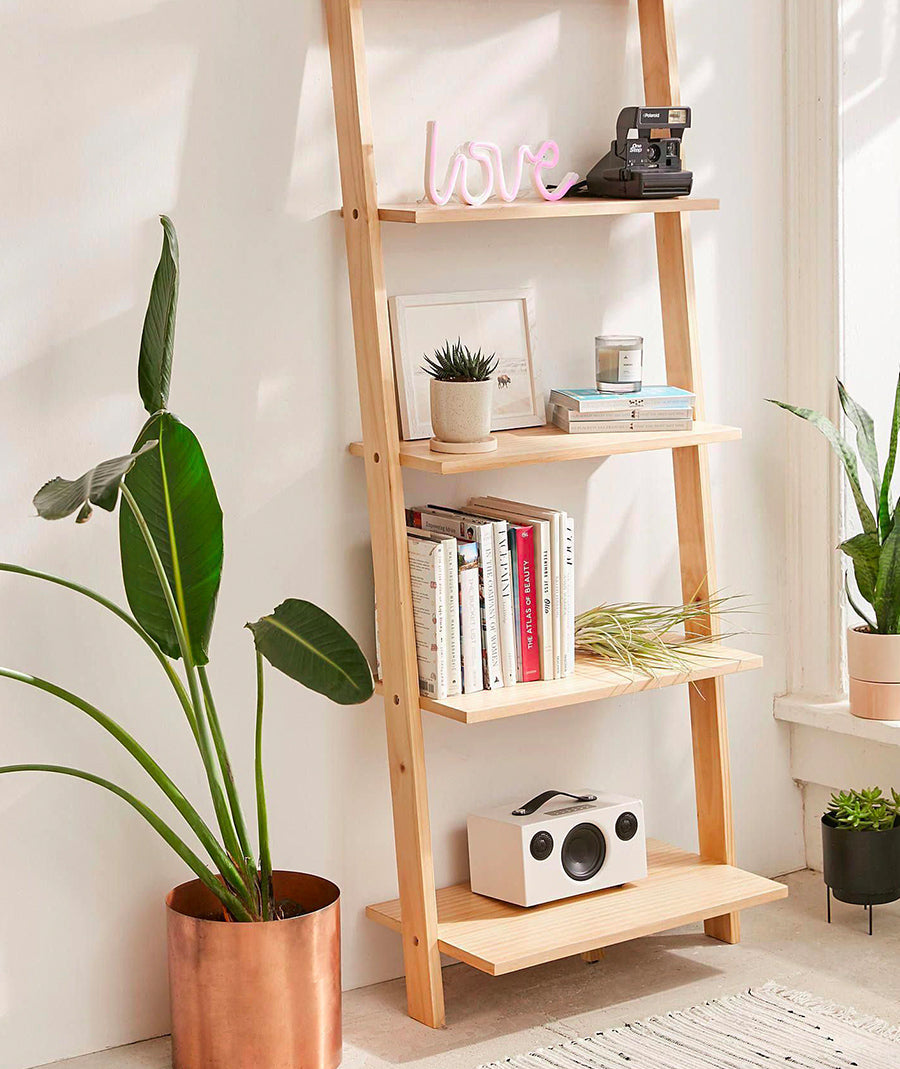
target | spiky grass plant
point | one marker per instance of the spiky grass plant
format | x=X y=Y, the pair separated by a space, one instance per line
x=638 y=637
x=455 y=362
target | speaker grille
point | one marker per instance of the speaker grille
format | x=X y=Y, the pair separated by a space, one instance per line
x=583 y=852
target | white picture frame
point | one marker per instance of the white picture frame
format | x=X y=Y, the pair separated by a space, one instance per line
x=500 y=321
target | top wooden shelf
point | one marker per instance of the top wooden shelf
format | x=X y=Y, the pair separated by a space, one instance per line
x=544 y=445
x=493 y=211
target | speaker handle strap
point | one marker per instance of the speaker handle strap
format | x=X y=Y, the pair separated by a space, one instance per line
x=535 y=804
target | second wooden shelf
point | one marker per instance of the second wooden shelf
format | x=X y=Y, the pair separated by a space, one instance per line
x=592 y=680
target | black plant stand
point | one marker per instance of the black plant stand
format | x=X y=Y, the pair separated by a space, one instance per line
x=828 y=907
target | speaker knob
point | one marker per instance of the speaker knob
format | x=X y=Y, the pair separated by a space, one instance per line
x=626 y=826
x=541 y=845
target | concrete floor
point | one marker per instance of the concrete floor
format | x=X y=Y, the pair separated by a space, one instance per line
x=491 y=1018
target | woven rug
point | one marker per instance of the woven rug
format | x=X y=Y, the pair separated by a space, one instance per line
x=763 y=1027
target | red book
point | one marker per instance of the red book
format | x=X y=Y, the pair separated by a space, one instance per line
x=528 y=602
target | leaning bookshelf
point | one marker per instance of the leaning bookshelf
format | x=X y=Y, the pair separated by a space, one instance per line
x=681 y=887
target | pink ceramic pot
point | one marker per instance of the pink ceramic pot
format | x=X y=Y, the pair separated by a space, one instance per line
x=873 y=662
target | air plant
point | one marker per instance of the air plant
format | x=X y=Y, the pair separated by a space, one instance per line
x=651 y=638
x=865 y=810
x=875 y=551
x=455 y=362
x=170 y=535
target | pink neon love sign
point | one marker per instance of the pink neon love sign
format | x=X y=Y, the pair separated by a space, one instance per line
x=487 y=155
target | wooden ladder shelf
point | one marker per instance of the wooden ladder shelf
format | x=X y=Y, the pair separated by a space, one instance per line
x=681 y=887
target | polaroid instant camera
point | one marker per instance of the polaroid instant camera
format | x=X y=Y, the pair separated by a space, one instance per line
x=552 y=848
x=642 y=167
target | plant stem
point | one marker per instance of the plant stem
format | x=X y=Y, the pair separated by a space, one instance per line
x=159 y=776
x=262 y=815
x=215 y=787
x=233 y=904
x=234 y=799
x=128 y=619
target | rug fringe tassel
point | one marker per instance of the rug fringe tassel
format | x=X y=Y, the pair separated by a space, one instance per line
x=866 y=1023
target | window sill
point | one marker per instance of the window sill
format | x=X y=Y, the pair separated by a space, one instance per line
x=835 y=716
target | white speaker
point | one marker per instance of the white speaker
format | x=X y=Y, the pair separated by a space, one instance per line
x=557 y=845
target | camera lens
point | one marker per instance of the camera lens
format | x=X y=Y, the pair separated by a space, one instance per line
x=653 y=152
x=583 y=852
x=626 y=826
x=541 y=845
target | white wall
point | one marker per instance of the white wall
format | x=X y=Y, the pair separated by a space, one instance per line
x=221 y=115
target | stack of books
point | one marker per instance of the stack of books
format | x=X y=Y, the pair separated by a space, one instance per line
x=493 y=591
x=653 y=408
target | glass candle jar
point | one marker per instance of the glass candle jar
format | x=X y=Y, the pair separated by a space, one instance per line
x=620 y=359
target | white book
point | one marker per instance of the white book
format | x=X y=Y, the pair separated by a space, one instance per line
x=497 y=509
x=557 y=520
x=470 y=618
x=620 y=426
x=451 y=625
x=426 y=574
x=569 y=644
x=476 y=529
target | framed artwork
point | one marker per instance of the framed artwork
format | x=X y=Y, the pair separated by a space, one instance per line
x=495 y=321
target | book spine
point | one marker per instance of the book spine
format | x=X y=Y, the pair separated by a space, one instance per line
x=505 y=602
x=638 y=412
x=557 y=557
x=591 y=426
x=451 y=601
x=440 y=621
x=528 y=605
x=622 y=402
x=470 y=619
x=569 y=644
x=517 y=611
x=544 y=595
x=493 y=672
x=426 y=579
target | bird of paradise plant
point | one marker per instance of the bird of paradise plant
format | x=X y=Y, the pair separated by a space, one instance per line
x=171 y=548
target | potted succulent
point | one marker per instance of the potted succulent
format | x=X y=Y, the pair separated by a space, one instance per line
x=462 y=393
x=873 y=647
x=861 y=847
x=254 y=953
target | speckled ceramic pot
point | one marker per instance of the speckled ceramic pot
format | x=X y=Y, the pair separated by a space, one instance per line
x=873 y=664
x=461 y=411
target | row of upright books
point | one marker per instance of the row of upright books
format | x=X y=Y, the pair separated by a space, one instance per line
x=652 y=408
x=493 y=592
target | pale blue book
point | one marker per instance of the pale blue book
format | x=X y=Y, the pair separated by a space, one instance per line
x=661 y=397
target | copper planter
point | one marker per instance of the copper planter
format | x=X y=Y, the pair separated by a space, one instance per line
x=256 y=996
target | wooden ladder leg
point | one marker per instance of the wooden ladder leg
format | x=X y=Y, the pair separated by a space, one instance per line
x=695 y=515
x=406 y=751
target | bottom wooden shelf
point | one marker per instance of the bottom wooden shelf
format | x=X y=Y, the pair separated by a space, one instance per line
x=498 y=938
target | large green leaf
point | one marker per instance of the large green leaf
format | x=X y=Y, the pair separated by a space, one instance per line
x=304 y=642
x=887 y=586
x=175 y=492
x=843 y=451
x=60 y=497
x=158 y=337
x=865 y=551
x=865 y=436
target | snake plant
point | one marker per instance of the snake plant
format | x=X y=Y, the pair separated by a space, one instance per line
x=170 y=535
x=875 y=551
